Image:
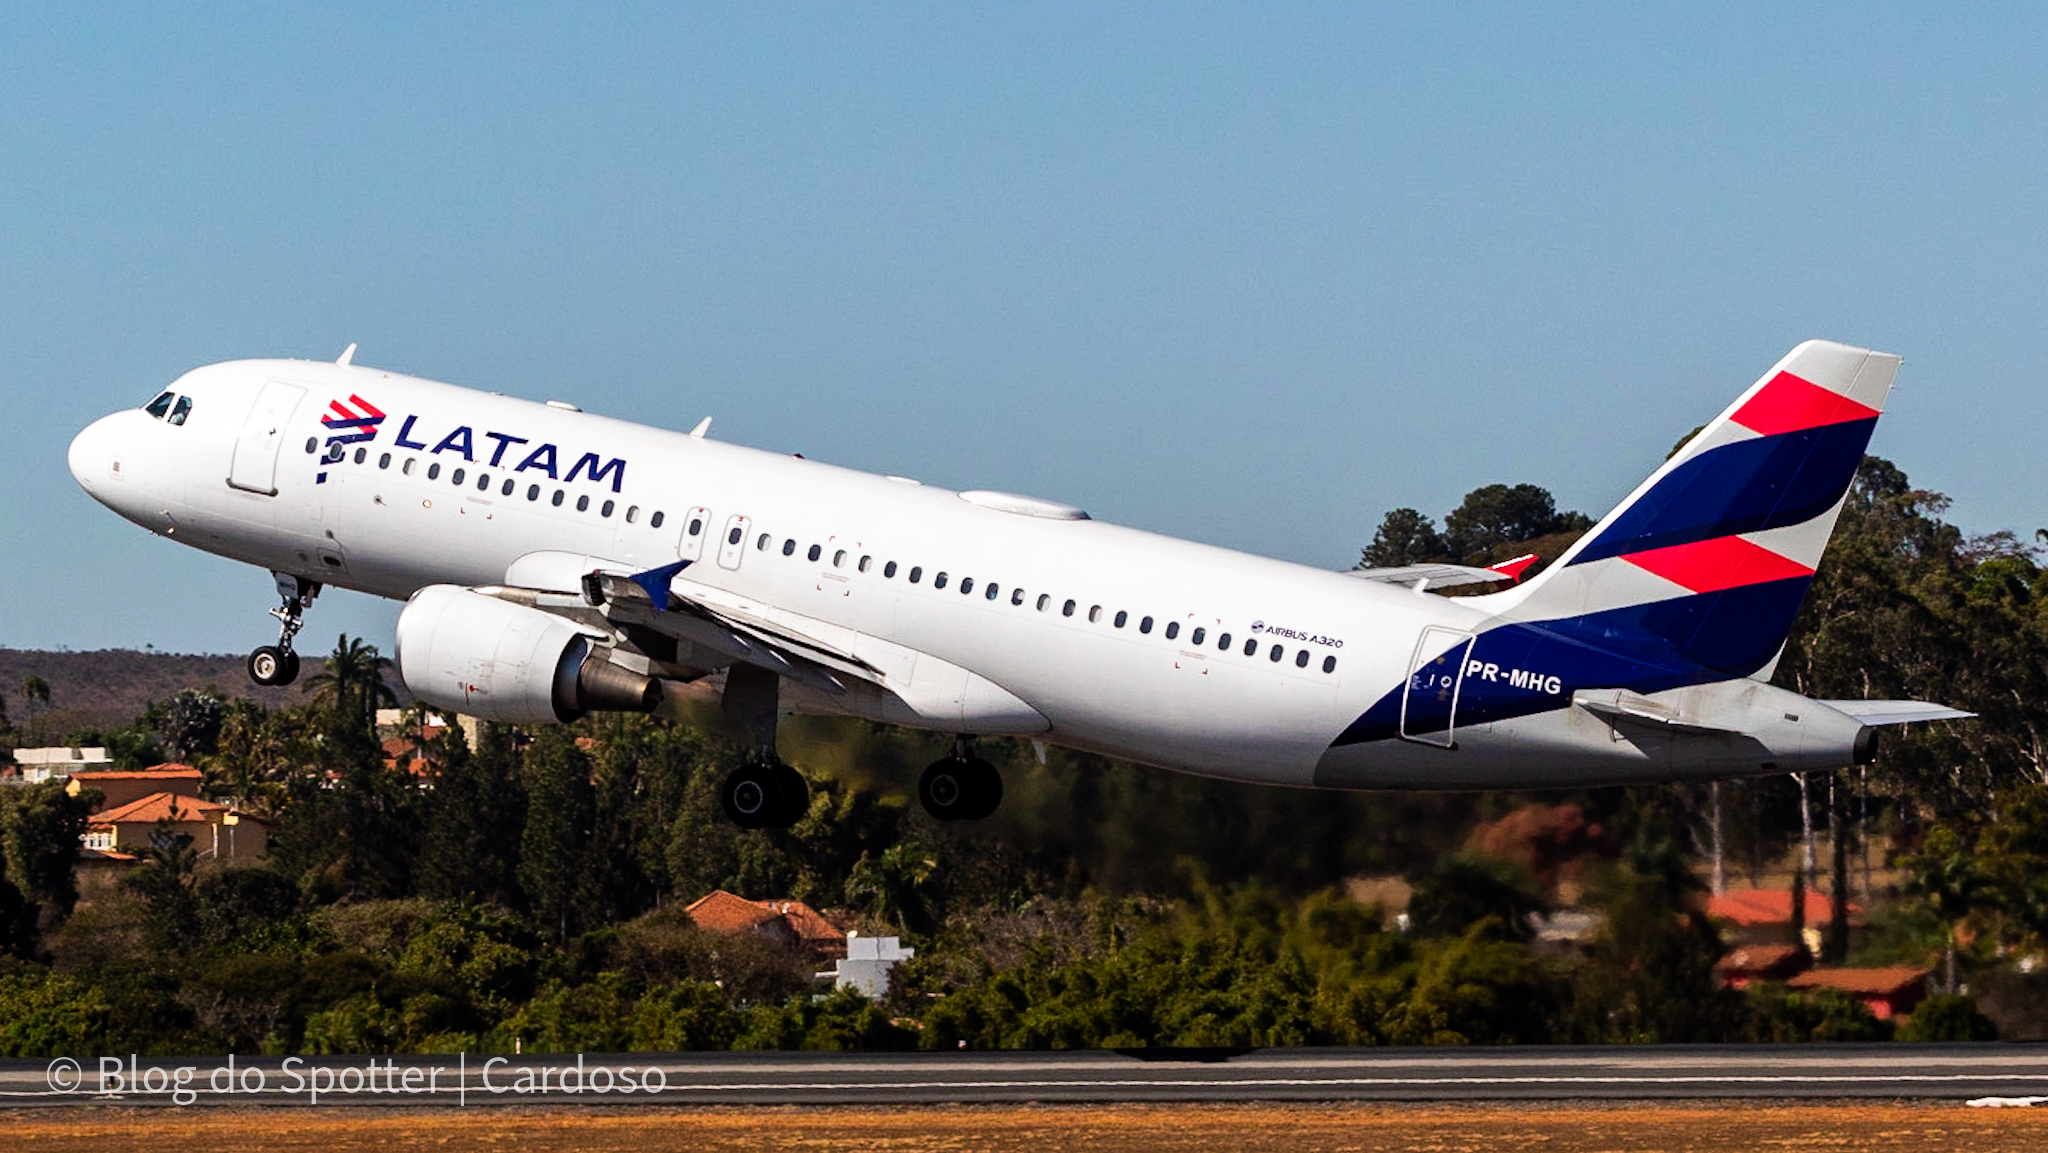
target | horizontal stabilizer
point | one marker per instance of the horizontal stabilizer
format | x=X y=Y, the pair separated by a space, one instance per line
x=1897 y=712
x=1432 y=576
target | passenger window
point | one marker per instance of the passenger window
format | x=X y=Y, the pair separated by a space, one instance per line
x=1223 y=642
x=652 y=521
x=606 y=508
x=362 y=454
x=1121 y=617
x=1145 y=625
x=1301 y=659
x=839 y=559
x=384 y=461
x=761 y=543
x=1329 y=664
x=1173 y=630
x=1016 y=596
x=1251 y=646
x=533 y=493
x=334 y=454
x=889 y=571
x=788 y=548
x=1195 y=638
x=939 y=581
x=312 y=444
x=1276 y=654
x=1094 y=614
x=632 y=514
x=966 y=585
x=1067 y=610
x=161 y=405
x=483 y=482
x=814 y=553
x=556 y=500
x=865 y=562
x=1044 y=599
x=506 y=488
x=407 y=470
x=696 y=526
x=732 y=537
x=183 y=410
x=993 y=589
x=583 y=504
x=456 y=476
x=915 y=572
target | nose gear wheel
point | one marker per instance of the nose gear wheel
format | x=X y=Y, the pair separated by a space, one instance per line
x=278 y=664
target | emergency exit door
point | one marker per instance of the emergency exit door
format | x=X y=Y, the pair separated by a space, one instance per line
x=1436 y=671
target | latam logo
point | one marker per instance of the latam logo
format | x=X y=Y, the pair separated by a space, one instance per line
x=359 y=420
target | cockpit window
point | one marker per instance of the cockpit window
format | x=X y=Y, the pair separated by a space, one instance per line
x=183 y=410
x=161 y=405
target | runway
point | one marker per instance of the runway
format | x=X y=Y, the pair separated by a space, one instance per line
x=1606 y=1073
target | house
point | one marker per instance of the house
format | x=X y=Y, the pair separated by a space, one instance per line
x=1889 y=993
x=793 y=923
x=217 y=831
x=119 y=787
x=866 y=965
x=1748 y=964
x=1764 y=916
x=58 y=762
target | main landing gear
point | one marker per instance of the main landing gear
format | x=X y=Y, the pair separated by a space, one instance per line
x=277 y=664
x=764 y=793
x=963 y=787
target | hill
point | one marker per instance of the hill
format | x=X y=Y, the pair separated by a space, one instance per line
x=111 y=687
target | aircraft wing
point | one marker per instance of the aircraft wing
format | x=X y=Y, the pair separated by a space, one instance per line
x=1432 y=576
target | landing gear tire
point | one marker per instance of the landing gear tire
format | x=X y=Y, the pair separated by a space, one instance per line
x=762 y=796
x=960 y=789
x=272 y=666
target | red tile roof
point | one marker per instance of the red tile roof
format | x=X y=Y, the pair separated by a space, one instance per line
x=159 y=806
x=1755 y=907
x=159 y=773
x=1867 y=982
x=723 y=912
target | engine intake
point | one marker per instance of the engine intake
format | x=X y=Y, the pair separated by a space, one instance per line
x=459 y=649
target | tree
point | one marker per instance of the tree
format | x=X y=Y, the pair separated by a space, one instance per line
x=1499 y=514
x=1404 y=537
x=1945 y=875
x=893 y=887
x=353 y=684
x=188 y=725
x=165 y=882
x=553 y=846
x=467 y=854
x=40 y=828
x=1464 y=892
x=35 y=693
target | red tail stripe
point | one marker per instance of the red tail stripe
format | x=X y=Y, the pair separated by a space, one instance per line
x=1722 y=563
x=1789 y=404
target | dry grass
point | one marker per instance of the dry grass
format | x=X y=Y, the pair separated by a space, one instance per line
x=1688 y=1127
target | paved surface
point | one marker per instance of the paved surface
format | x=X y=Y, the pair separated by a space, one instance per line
x=1613 y=1073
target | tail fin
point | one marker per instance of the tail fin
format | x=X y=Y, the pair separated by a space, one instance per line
x=1707 y=562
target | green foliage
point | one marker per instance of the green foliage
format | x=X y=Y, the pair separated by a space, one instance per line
x=1404 y=537
x=48 y=1015
x=1498 y=515
x=1948 y=1018
x=1780 y=1015
x=40 y=826
x=1467 y=893
x=843 y=1020
x=188 y=725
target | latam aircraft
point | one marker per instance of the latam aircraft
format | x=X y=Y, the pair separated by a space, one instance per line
x=555 y=562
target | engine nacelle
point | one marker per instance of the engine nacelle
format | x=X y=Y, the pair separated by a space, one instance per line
x=462 y=650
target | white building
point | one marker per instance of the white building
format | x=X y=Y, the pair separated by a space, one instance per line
x=58 y=763
x=867 y=964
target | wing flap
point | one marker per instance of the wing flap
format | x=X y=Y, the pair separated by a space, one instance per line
x=1897 y=712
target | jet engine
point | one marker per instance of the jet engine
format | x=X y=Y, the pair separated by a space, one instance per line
x=462 y=650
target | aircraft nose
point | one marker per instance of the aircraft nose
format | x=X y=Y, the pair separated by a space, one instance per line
x=93 y=458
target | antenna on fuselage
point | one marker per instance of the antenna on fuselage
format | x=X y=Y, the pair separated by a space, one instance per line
x=348 y=355
x=703 y=426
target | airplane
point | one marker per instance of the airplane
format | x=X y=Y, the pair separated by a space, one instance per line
x=554 y=563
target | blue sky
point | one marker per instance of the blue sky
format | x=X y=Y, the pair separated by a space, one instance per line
x=1251 y=275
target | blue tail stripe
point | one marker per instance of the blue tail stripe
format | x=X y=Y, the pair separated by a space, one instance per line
x=1748 y=486
x=1648 y=648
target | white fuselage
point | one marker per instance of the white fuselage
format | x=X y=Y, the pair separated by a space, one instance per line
x=1307 y=651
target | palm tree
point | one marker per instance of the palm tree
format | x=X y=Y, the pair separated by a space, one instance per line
x=353 y=683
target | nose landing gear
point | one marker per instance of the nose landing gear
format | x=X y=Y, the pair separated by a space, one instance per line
x=963 y=787
x=278 y=664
